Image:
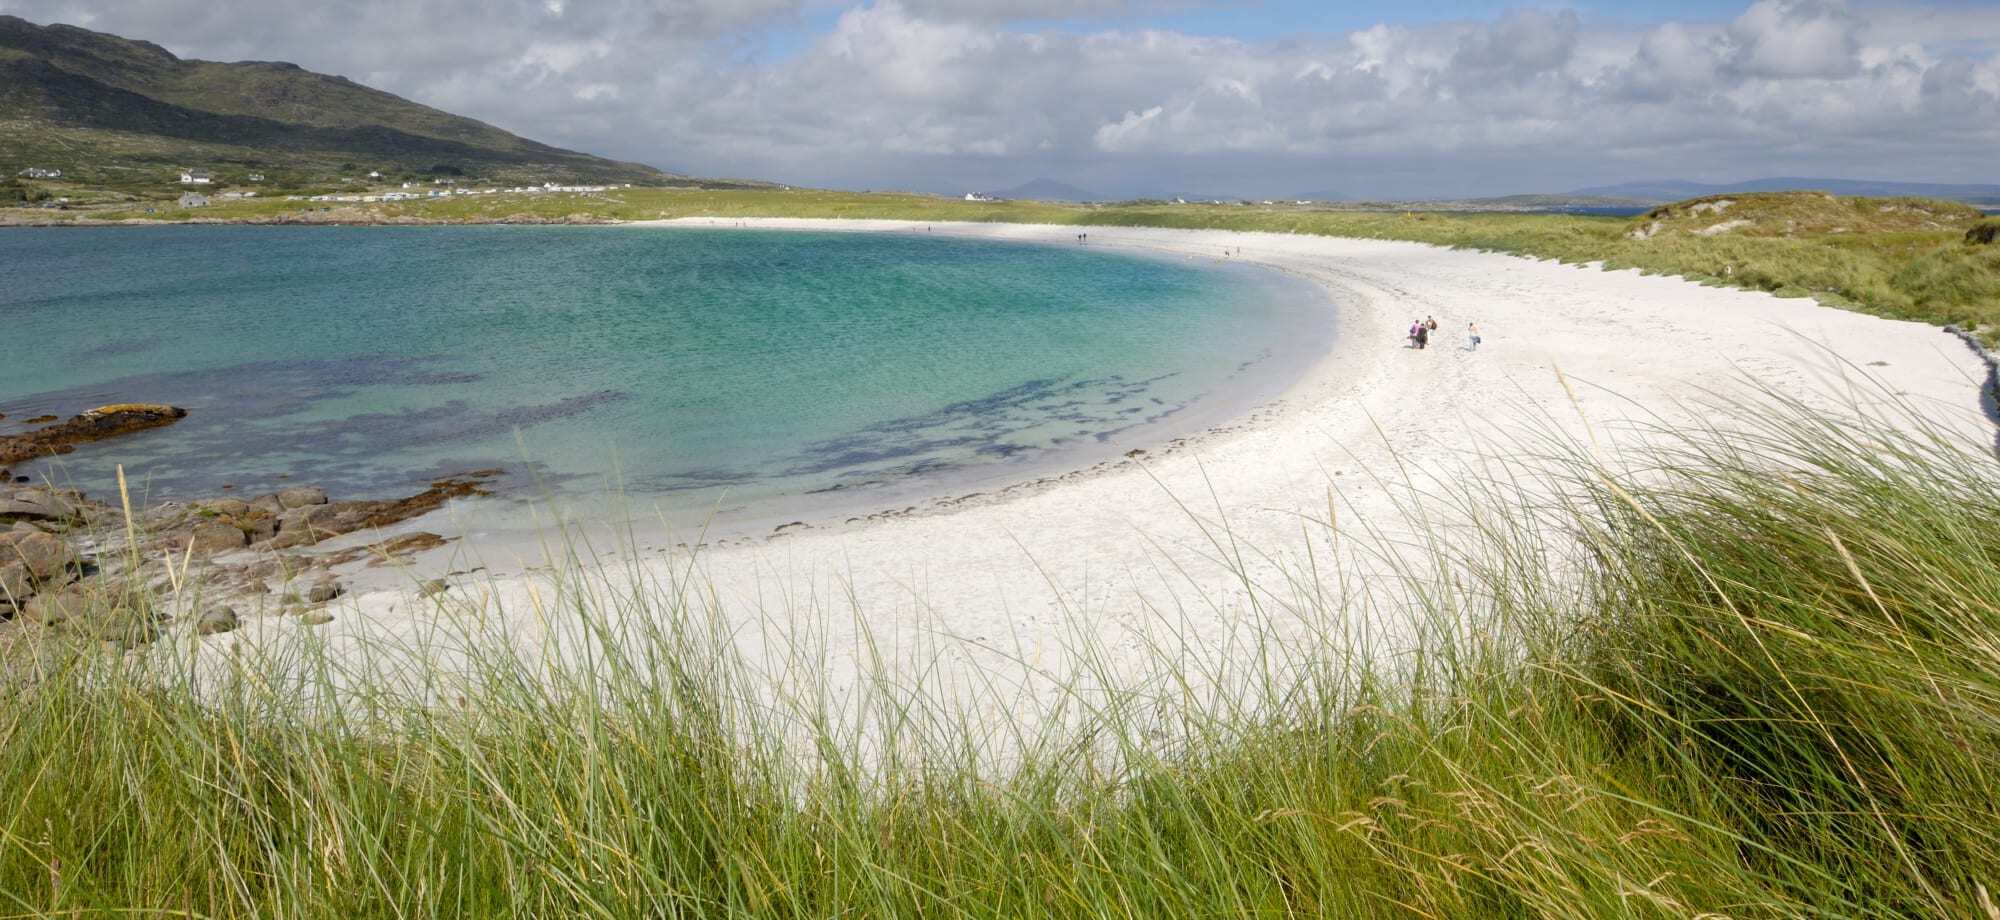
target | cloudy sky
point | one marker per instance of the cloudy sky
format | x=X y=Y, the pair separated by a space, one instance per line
x=1265 y=97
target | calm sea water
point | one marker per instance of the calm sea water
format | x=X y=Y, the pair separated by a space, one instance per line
x=739 y=370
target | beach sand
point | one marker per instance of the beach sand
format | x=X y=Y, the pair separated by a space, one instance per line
x=1178 y=550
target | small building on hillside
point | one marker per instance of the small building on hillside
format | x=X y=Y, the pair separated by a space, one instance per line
x=36 y=172
x=256 y=177
x=374 y=174
x=193 y=200
x=196 y=177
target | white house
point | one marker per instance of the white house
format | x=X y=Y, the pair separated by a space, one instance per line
x=196 y=177
x=35 y=172
x=374 y=174
x=256 y=177
x=975 y=196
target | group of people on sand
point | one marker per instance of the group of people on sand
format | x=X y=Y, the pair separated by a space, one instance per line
x=1421 y=331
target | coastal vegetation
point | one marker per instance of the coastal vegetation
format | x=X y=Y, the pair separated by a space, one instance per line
x=1764 y=686
x=1904 y=258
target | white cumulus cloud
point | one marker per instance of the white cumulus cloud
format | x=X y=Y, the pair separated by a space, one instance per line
x=956 y=94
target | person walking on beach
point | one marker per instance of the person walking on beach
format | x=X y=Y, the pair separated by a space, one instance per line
x=1471 y=336
x=1423 y=336
x=1416 y=325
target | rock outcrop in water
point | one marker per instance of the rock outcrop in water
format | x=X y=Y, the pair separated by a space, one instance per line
x=95 y=425
x=74 y=564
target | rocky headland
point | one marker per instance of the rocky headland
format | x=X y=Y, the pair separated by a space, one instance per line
x=97 y=568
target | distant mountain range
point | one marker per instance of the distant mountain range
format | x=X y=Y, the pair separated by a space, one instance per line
x=1668 y=190
x=1045 y=190
x=1052 y=190
x=99 y=106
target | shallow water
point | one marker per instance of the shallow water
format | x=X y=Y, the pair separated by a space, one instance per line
x=706 y=369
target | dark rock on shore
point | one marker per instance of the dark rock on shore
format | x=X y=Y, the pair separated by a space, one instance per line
x=42 y=556
x=69 y=563
x=393 y=549
x=300 y=498
x=36 y=505
x=211 y=537
x=324 y=590
x=217 y=620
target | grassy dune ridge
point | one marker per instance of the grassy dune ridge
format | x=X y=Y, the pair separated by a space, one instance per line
x=1772 y=689
x=1862 y=253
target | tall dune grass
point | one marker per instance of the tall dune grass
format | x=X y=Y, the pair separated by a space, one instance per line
x=1758 y=676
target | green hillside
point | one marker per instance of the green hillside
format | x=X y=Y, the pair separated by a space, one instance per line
x=113 y=112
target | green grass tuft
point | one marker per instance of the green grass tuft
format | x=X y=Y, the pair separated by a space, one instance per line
x=1769 y=688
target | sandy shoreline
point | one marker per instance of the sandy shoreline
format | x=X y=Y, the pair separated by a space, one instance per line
x=1182 y=549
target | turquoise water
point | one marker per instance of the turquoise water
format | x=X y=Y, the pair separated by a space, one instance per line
x=710 y=369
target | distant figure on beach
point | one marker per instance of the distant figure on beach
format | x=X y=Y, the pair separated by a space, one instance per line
x=1416 y=325
x=1471 y=336
x=1431 y=323
x=1423 y=336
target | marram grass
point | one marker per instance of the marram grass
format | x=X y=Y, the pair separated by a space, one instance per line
x=1767 y=684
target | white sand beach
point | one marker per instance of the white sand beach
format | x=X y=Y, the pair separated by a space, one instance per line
x=1176 y=549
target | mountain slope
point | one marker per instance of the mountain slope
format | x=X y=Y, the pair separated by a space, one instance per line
x=1671 y=190
x=86 y=101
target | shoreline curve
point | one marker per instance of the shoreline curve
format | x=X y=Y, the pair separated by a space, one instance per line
x=1202 y=540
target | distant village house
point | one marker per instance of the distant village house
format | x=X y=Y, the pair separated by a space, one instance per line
x=194 y=200
x=256 y=177
x=196 y=177
x=36 y=172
